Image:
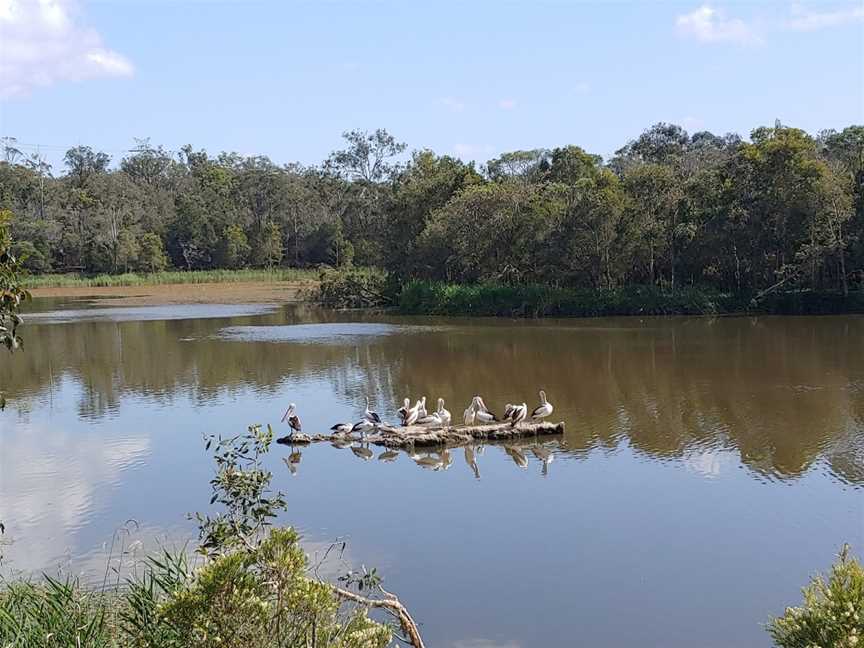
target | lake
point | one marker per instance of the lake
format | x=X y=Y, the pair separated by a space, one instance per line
x=709 y=466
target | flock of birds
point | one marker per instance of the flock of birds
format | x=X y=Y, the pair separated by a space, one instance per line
x=477 y=412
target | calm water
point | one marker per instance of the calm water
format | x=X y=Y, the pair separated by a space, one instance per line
x=709 y=465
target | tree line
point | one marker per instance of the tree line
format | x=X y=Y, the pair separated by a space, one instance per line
x=784 y=209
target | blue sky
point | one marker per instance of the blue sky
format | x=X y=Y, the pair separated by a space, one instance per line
x=284 y=79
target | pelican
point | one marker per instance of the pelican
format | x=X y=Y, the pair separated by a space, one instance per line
x=363 y=426
x=518 y=458
x=470 y=414
x=482 y=412
x=442 y=413
x=369 y=415
x=341 y=428
x=508 y=412
x=403 y=411
x=520 y=413
x=430 y=420
x=544 y=409
x=421 y=408
x=292 y=418
x=412 y=415
x=364 y=453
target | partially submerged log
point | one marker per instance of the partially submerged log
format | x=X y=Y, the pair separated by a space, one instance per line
x=419 y=436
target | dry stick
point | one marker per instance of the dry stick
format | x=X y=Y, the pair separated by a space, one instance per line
x=393 y=605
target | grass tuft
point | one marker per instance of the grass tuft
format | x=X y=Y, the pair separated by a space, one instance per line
x=168 y=277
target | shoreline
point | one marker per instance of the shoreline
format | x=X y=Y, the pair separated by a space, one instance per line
x=240 y=292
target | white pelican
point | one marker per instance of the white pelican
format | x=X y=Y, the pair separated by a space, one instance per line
x=544 y=409
x=421 y=408
x=470 y=414
x=412 y=415
x=442 y=413
x=369 y=415
x=508 y=412
x=403 y=411
x=430 y=420
x=292 y=418
x=341 y=428
x=482 y=412
x=520 y=413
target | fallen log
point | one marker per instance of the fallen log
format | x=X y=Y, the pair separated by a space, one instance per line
x=419 y=436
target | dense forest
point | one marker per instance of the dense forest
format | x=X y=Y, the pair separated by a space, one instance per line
x=669 y=209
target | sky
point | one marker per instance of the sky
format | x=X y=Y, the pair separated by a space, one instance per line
x=470 y=79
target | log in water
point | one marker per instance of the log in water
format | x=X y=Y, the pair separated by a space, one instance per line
x=419 y=436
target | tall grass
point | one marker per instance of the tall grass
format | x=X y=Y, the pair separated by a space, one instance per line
x=168 y=277
x=436 y=298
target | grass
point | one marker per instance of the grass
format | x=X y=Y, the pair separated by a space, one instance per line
x=436 y=298
x=168 y=277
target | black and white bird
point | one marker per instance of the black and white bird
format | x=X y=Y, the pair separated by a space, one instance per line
x=519 y=414
x=369 y=415
x=293 y=420
x=430 y=420
x=421 y=408
x=544 y=409
x=363 y=426
x=482 y=412
x=341 y=428
x=508 y=411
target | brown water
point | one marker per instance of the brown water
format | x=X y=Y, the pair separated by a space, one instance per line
x=709 y=465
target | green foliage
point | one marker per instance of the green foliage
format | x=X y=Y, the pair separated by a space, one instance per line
x=54 y=613
x=241 y=486
x=353 y=288
x=151 y=254
x=12 y=294
x=234 y=247
x=782 y=211
x=534 y=300
x=832 y=613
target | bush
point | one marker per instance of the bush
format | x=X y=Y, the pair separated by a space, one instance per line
x=833 y=611
x=353 y=288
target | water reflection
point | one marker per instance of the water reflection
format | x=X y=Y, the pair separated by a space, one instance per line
x=784 y=393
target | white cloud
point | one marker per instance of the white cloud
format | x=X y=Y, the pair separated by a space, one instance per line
x=709 y=25
x=507 y=104
x=42 y=43
x=455 y=105
x=804 y=20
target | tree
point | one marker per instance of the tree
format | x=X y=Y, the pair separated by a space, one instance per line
x=270 y=245
x=151 y=254
x=234 y=247
x=367 y=157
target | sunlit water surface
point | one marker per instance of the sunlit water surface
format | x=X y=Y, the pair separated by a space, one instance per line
x=709 y=465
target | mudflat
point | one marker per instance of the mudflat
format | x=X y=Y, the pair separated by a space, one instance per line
x=251 y=292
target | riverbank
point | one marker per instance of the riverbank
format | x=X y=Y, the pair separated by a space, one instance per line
x=433 y=298
x=252 y=292
x=172 y=277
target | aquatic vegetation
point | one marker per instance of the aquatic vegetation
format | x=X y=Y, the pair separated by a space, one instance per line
x=832 y=613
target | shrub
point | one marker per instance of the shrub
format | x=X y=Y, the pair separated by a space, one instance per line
x=833 y=611
x=353 y=288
